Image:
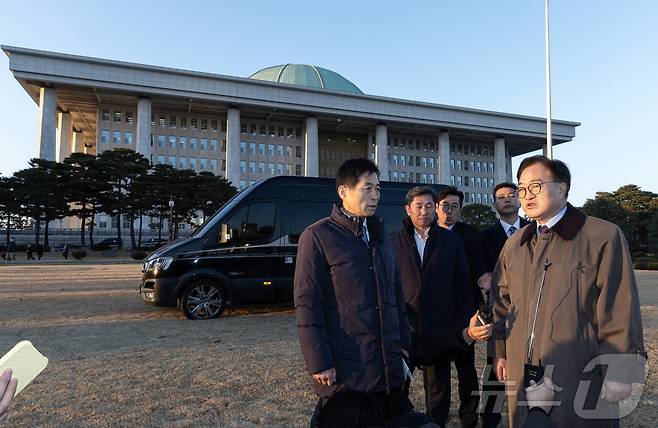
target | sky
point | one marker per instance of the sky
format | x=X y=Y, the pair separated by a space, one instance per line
x=478 y=54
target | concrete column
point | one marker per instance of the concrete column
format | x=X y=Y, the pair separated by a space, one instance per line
x=311 y=155
x=500 y=163
x=78 y=142
x=46 y=132
x=508 y=165
x=381 y=151
x=370 y=152
x=64 y=132
x=232 y=173
x=144 y=128
x=444 y=158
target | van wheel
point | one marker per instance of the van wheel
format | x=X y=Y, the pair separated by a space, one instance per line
x=203 y=299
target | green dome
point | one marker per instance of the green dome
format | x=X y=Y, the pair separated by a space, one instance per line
x=306 y=75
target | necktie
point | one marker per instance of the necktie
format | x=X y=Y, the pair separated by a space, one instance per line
x=511 y=231
x=543 y=230
x=364 y=232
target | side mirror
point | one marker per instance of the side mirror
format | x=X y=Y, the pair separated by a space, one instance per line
x=224 y=235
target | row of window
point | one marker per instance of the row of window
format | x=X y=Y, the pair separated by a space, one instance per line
x=269 y=168
x=476 y=166
x=268 y=149
x=163 y=121
x=118 y=116
x=188 y=122
x=419 y=177
x=465 y=149
x=118 y=137
x=269 y=130
x=181 y=162
x=183 y=142
x=408 y=160
x=478 y=198
x=471 y=181
x=202 y=124
x=471 y=150
x=410 y=144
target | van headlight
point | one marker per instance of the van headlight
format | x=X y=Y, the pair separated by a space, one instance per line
x=159 y=263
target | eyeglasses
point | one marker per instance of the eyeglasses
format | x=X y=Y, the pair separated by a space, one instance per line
x=448 y=207
x=533 y=188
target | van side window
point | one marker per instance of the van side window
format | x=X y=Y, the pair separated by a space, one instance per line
x=305 y=214
x=252 y=224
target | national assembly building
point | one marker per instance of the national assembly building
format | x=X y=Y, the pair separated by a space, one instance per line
x=287 y=119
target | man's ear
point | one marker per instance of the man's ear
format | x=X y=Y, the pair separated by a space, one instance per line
x=563 y=189
x=407 y=210
x=342 y=189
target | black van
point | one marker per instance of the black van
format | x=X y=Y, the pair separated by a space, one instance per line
x=245 y=253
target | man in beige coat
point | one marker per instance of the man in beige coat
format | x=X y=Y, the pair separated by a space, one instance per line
x=588 y=307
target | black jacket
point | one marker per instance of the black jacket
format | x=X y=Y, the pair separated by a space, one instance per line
x=493 y=239
x=474 y=255
x=437 y=291
x=349 y=305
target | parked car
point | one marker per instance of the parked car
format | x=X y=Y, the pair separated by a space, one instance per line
x=245 y=253
x=107 y=244
x=153 y=243
x=57 y=248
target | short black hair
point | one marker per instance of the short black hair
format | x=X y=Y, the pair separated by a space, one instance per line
x=451 y=191
x=503 y=185
x=420 y=190
x=559 y=170
x=350 y=171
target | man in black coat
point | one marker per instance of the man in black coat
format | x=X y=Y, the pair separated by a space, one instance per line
x=506 y=204
x=438 y=295
x=350 y=311
x=449 y=206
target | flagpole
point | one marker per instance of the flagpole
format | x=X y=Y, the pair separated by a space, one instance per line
x=549 y=131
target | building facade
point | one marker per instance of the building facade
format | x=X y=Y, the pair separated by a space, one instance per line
x=283 y=120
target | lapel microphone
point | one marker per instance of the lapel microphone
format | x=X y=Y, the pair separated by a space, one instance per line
x=531 y=371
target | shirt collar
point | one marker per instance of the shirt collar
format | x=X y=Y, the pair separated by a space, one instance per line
x=567 y=228
x=553 y=221
x=506 y=225
x=419 y=236
x=361 y=221
x=352 y=217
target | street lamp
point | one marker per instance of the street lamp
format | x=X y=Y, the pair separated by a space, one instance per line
x=171 y=219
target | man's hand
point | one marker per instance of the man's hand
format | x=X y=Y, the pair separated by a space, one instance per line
x=615 y=391
x=541 y=395
x=478 y=332
x=485 y=281
x=501 y=369
x=7 y=391
x=327 y=377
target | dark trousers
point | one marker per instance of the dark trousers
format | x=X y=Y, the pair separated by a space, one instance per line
x=493 y=394
x=358 y=409
x=436 y=380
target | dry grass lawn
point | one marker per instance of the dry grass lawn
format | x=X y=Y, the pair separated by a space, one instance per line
x=115 y=361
